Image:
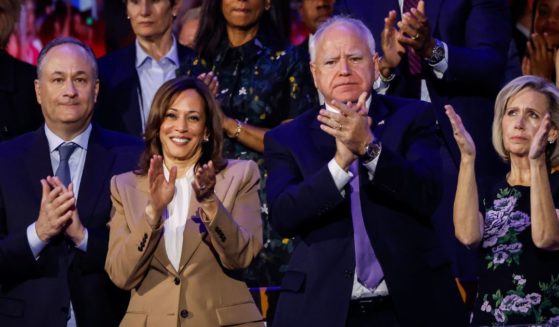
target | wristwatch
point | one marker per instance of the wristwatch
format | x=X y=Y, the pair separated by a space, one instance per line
x=372 y=150
x=438 y=53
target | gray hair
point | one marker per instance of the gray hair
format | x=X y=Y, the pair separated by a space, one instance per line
x=342 y=20
x=514 y=87
x=66 y=40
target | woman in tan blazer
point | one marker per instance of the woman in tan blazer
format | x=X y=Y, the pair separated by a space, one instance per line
x=187 y=222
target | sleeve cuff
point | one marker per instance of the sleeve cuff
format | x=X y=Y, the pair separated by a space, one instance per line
x=372 y=166
x=83 y=244
x=34 y=241
x=340 y=176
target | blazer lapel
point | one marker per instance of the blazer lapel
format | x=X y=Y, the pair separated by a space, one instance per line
x=194 y=229
x=325 y=144
x=98 y=163
x=378 y=113
x=432 y=10
x=37 y=162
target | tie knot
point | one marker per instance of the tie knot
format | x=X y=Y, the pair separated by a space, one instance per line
x=66 y=149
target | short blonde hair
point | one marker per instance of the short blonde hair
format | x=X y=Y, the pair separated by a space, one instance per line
x=514 y=87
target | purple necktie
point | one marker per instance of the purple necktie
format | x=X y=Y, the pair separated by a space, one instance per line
x=63 y=172
x=414 y=60
x=367 y=267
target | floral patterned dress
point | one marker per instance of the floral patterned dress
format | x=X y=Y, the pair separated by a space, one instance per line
x=261 y=87
x=519 y=283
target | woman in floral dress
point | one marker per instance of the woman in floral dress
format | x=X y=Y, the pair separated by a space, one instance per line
x=259 y=88
x=516 y=223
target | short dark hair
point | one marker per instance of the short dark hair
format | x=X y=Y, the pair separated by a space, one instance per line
x=9 y=16
x=164 y=97
x=66 y=40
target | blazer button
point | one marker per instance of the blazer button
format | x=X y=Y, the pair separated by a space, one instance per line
x=177 y=281
x=348 y=274
x=184 y=313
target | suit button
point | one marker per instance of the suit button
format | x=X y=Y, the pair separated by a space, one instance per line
x=348 y=274
x=177 y=281
x=184 y=313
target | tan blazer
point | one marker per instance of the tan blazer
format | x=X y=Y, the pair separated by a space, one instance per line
x=207 y=290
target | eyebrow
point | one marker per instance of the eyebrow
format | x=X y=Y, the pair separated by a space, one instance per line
x=57 y=72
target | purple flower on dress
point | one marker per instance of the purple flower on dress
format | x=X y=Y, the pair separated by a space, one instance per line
x=534 y=298
x=499 y=316
x=508 y=301
x=514 y=247
x=521 y=305
x=505 y=205
x=494 y=229
x=553 y=322
x=486 y=307
x=518 y=221
x=500 y=257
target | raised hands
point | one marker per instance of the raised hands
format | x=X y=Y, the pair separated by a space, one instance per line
x=58 y=212
x=204 y=182
x=461 y=135
x=391 y=48
x=540 y=58
x=211 y=81
x=161 y=191
x=350 y=127
x=415 y=31
x=540 y=140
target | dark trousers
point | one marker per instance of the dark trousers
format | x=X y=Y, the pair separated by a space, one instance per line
x=372 y=312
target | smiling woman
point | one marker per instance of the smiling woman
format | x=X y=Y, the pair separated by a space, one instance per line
x=188 y=213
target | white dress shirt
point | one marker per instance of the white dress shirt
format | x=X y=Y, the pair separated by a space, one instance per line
x=153 y=74
x=341 y=179
x=176 y=215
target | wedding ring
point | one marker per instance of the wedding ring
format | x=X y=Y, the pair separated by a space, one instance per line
x=415 y=37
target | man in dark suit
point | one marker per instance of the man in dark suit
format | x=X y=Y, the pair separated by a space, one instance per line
x=358 y=197
x=460 y=50
x=19 y=112
x=53 y=234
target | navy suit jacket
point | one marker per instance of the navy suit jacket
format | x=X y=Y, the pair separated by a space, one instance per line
x=478 y=35
x=306 y=204
x=19 y=111
x=118 y=107
x=37 y=292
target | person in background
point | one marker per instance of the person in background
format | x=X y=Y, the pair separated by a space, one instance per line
x=131 y=76
x=313 y=13
x=55 y=201
x=19 y=111
x=188 y=221
x=541 y=47
x=514 y=220
x=260 y=86
x=186 y=26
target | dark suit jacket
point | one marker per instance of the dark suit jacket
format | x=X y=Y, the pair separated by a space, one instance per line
x=305 y=203
x=478 y=35
x=118 y=107
x=19 y=110
x=37 y=292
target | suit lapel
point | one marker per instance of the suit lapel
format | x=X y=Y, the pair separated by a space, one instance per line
x=37 y=161
x=194 y=229
x=98 y=163
x=324 y=144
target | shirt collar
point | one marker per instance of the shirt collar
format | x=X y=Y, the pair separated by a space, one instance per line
x=332 y=109
x=55 y=141
x=142 y=56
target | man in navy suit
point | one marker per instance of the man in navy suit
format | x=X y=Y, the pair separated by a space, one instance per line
x=461 y=49
x=366 y=167
x=53 y=233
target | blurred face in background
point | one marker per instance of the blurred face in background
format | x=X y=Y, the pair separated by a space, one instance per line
x=188 y=31
x=547 y=21
x=151 y=19
x=243 y=14
x=314 y=12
